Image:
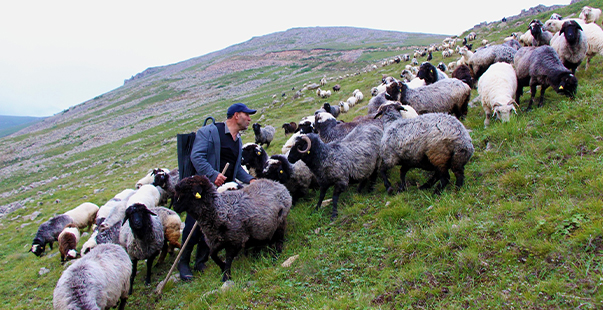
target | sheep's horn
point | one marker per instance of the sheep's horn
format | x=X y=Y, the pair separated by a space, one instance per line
x=305 y=138
x=379 y=113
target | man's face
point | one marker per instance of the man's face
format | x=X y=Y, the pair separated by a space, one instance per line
x=243 y=119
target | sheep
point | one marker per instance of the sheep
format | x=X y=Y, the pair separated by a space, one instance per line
x=233 y=220
x=96 y=281
x=452 y=65
x=430 y=74
x=109 y=207
x=442 y=66
x=496 y=88
x=463 y=73
x=254 y=157
x=323 y=93
x=147 y=195
x=297 y=178
x=306 y=124
x=590 y=15
x=592 y=32
x=352 y=101
x=68 y=240
x=414 y=61
x=446 y=96
x=484 y=57
x=167 y=181
x=416 y=83
x=434 y=142
x=541 y=36
x=289 y=144
x=171 y=223
x=556 y=16
x=466 y=54
x=90 y=243
x=83 y=215
x=354 y=158
x=358 y=94
x=376 y=102
x=337 y=87
x=263 y=135
x=570 y=44
x=344 y=106
x=48 y=233
x=150 y=177
x=513 y=44
x=541 y=66
x=407 y=75
x=290 y=127
x=330 y=130
x=141 y=234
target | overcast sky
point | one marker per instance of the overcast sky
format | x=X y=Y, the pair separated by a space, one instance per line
x=57 y=54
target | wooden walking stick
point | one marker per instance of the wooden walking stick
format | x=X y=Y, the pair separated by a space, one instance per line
x=161 y=284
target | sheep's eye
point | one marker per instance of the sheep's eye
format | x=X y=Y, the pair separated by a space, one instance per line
x=198 y=196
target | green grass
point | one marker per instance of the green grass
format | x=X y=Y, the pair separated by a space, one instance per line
x=524 y=232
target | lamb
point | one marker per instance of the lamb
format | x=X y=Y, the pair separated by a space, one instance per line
x=96 y=281
x=330 y=130
x=48 y=233
x=570 y=44
x=233 y=220
x=68 y=240
x=263 y=135
x=171 y=223
x=592 y=32
x=434 y=142
x=496 y=88
x=484 y=57
x=167 y=181
x=354 y=158
x=254 y=157
x=83 y=215
x=541 y=66
x=142 y=236
x=446 y=96
x=290 y=127
x=463 y=73
x=590 y=15
x=541 y=37
x=344 y=106
x=297 y=178
x=150 y=177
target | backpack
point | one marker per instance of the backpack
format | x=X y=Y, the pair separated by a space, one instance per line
x=184 y=146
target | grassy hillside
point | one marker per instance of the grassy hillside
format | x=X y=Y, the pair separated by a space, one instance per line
x=525 y=232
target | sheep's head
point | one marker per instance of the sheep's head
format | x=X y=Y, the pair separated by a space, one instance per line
x=504 y=111
x=428 y=73
x=191 y=191
x=161 y=179
x=256 y=128
x=138 y=217
x=37 y=247
x=571 y=29
x=394 y=91
x=390 y=110
x=277 y=169
x=301 y=149
x=568 y=85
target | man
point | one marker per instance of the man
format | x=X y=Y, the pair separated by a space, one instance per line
x=214 y=146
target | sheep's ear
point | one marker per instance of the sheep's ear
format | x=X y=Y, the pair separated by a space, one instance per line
x=151 y=212
x=197 y=195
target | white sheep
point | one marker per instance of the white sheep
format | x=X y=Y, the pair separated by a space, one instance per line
x=496 y=88
x=570 y=44
x=359 y=96
x=590 y=15
x=352 y=101
x=147 y=195
x=96 y=281
x=344 y=106
x=592 y=32
x=150 y=177
x=416 y=83
x=83 y=215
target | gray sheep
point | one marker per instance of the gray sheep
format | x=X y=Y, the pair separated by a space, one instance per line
x=484 y=57
x=234 y=220
x=141 y=235
x=329 y=129
x=98 y=280
x=48 y=233
x=541 y=36
x=434 y=142
x=297 y=178
x=376 y=102
x=354 y=158
x=263 y=135
x=570 y=44
x=445 y=96
x=541 y=66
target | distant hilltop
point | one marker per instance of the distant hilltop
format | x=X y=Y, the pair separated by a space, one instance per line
x=525 y=13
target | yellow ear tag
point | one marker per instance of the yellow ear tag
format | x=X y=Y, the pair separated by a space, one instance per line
x=259 y=153
x=561 y=87
x=281 y=171
x=198 y=196
x=308 y=152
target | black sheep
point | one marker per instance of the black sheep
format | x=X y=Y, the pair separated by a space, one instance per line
x=463 y=73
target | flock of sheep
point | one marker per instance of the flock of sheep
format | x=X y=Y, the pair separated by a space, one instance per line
x=411 y=123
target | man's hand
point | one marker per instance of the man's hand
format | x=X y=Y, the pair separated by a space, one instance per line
x=220 y=179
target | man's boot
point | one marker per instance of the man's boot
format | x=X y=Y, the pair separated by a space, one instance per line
x=183 y=264
x=202 y=254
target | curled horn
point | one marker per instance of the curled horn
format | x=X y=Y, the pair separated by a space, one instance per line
x=305 y=138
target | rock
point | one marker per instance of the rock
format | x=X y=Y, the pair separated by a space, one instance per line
x=43 y=271
x=227 y=285
x=33 y=216
x=289 y=261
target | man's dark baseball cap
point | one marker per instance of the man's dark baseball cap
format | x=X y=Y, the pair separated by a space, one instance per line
x=239 y=107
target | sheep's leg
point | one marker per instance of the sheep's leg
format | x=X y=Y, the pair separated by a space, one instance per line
x=518 y=92
x=231 y=253
x=459 y=174
x=337 y=190
x=403 y=171
x=278 y=239
x=214 y=256
x=321 y=197
x=150 y=260
x=122 y=303
x=134 y=267
x=164 y=250
x=532 y=95
x=432 y=180
x=361 y=185
x=541 y=101
x=386 y=183
x=372 y=181
x=444 y=180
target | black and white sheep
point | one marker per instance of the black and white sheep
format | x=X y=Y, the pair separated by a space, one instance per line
x=253 y=157
x=446 y=96
x=433 y=142
x=430 y=74
x=592 y=32
x=541 y=36
x=570 y=44
x=234 y=220
x=306 y=124
x=484 y=57
x=150 y=177
x=96 y=281
x=354 y=158
x=496 y=89
x=68 y=240
x=83 y=215
x=167 y=182
x=118 y=200
x=541 y=66
x=142 y=236
x=263 y=135
x=297 y=178
x=48 y=233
